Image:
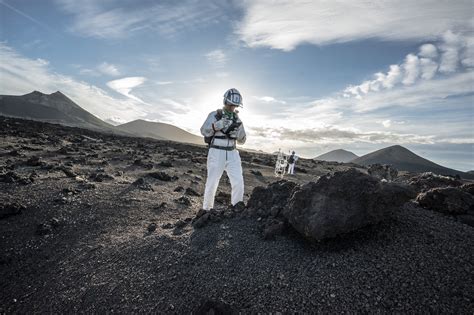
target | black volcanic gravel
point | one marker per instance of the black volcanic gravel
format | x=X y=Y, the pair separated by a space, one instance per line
x=108 y=250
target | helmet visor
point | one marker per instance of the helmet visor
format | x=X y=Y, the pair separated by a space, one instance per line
x=235 y=98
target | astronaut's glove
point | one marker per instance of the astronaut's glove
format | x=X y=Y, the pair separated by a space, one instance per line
x=221 y=124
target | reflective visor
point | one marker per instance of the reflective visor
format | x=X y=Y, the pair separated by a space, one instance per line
x=235 y=98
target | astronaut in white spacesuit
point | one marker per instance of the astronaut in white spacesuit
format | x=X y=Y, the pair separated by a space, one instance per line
x=222 y=130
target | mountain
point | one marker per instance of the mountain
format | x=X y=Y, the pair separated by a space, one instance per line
x=58 y=108
x=405 y=160
x=54 y=108
x=159 y=131
x=340 y=155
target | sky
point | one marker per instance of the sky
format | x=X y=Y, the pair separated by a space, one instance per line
x=314 y=75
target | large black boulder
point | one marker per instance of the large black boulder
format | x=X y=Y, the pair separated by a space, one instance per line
x=449 y=200
x=343 y=202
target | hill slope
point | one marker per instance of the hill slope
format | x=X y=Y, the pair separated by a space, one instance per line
x=339 y=155
x=159 y=131
x=405 y=160
x=55 y=107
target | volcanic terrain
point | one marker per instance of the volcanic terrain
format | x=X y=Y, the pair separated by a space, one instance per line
x=94 y=222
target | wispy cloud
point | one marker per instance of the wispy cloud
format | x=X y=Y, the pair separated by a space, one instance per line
x=108 y=69
x=269 y=99
x=217 y=58
x=118 y=19
x=125 y=85
x=284 y=25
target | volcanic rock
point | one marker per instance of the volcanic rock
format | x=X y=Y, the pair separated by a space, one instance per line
x=160 y=176
x=100 y=177
x=179 y=189
x=191 y=192
x=265 y=198
x=183 y=200
x=428 y=180
x=142 y=184
x=201 y=219
x=343 y=202
x=256 y=173
x=469 y=188
x=450 y=200
x=67 y=171
x=151 y=227
x=34 y=161
x=384 y=171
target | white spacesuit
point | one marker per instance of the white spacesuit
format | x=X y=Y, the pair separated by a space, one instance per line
x=225 y=130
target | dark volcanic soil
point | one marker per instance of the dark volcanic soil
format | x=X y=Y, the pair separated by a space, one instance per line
x=105 y=227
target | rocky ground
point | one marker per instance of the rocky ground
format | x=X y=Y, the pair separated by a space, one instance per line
x=92 y=222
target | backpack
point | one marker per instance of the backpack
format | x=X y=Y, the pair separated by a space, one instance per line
x=291 y=159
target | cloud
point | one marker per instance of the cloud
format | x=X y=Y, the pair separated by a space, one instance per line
x=22 y=75
x=450 y=52
x=335 y=134
x=217 y=58
x=387 y=123
x=164 y=82
x=269 y=99
x=428 y=51
x=411 y=68
x=423 y=66
x=122 y=18
x=108 y=69
x=125 y=85
x=284 y=24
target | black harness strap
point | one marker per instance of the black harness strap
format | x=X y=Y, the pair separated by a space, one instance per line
x=222 y=147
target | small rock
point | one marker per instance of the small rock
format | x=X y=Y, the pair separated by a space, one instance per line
x=256 y=173
x=191 y=192
x=151 y=227
x=183 y=201
x=167 y=226
x=160 y=176
x=179 y=189
x=179 y=223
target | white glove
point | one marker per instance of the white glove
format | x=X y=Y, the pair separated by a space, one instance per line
x=221 y=124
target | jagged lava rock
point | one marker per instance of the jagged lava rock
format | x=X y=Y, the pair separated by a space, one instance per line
x=343 y=202
x=276 y=195
x=383 y=171
x=425 y=181
x=450 y=200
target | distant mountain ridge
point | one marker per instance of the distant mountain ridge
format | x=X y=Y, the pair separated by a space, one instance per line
x=55 y=107
x=58 y=108
x=159 y=131
x=405 y=160
x=339 y=155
